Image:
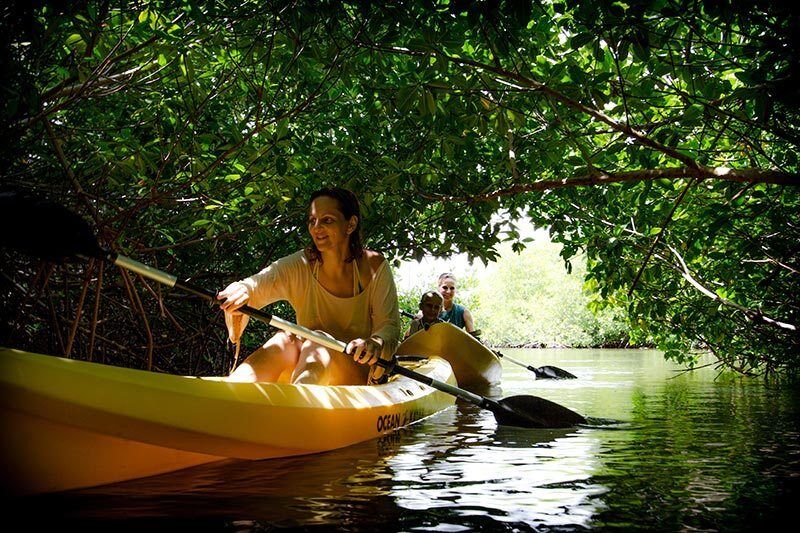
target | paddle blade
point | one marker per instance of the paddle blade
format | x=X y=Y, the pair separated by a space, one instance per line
x=44 y=229
x=534 y=412
x=553 y=372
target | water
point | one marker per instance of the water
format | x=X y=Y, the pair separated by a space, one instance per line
x=697 y=451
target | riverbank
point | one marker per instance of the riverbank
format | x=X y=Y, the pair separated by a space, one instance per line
x=534 y=345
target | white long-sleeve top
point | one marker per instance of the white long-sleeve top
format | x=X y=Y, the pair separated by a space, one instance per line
x=374 y=311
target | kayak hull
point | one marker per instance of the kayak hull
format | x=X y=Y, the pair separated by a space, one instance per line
x=43 y=456
x=69 y=424
x=475 y=366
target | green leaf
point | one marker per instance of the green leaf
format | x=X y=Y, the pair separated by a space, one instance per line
x=598 y=51
x=281 y=166
x=693 y=112
x=501 y=125
x=581 y=39
x=518 y=119
x=440 y=85
x=744 y=77
x=430 y=103
x=74 y=40
x=282 y=130
x=406 y=97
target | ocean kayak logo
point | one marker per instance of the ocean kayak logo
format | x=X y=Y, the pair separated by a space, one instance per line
x=397 y=420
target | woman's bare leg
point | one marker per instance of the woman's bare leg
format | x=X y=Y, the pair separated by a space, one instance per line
x=318 y=365
x=313 y=364
x=278 y=354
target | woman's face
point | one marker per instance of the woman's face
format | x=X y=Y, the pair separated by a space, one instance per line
x=327 y=225
x=447 y=288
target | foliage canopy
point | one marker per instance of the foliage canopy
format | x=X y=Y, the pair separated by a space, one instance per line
x=659 y=137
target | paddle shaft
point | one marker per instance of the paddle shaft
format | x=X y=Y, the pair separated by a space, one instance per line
x=520 y=363
x=333 y=344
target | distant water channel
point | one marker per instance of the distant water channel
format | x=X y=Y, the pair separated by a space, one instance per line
x=695 y=451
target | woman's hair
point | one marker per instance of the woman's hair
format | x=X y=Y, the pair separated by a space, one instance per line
x=348 y=205
x=446 y=275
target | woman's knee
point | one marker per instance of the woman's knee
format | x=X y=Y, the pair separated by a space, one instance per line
x=244 y=373
x=313 y=365
x=282 y=341
x=327 y=367
x=312 y=353
x=267 y=363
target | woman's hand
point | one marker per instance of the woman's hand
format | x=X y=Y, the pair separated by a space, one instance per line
x=233 y=297
x=365 y=351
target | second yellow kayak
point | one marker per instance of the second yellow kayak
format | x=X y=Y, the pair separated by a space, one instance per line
x=474 y=365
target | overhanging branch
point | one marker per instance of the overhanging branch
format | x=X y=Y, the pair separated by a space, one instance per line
x=747 y=175
x=756 y=316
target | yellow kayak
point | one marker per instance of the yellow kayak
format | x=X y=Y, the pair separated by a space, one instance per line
x=68 y=424
x=474 y=365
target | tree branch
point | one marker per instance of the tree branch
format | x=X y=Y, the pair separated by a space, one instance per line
x=751 y=314
x=658 y=237
x=748 y=175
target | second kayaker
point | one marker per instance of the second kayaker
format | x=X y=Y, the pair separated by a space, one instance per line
x=452 y=312
x=429 y=305
x=335 y=286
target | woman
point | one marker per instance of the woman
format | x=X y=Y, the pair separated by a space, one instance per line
x=335 y=286
x=452 y=312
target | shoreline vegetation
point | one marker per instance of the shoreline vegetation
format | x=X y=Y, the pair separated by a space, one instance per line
x=558 y=346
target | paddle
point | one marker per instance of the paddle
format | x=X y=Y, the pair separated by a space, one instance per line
x=543 y=372
x=58 y=234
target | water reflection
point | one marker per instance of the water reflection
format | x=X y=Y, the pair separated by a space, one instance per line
x=467 y=463
x=287 y=492
x=691 y=451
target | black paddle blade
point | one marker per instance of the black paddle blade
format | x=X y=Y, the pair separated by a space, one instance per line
x=553 y=372
x=44 y=229
x=534 y=412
